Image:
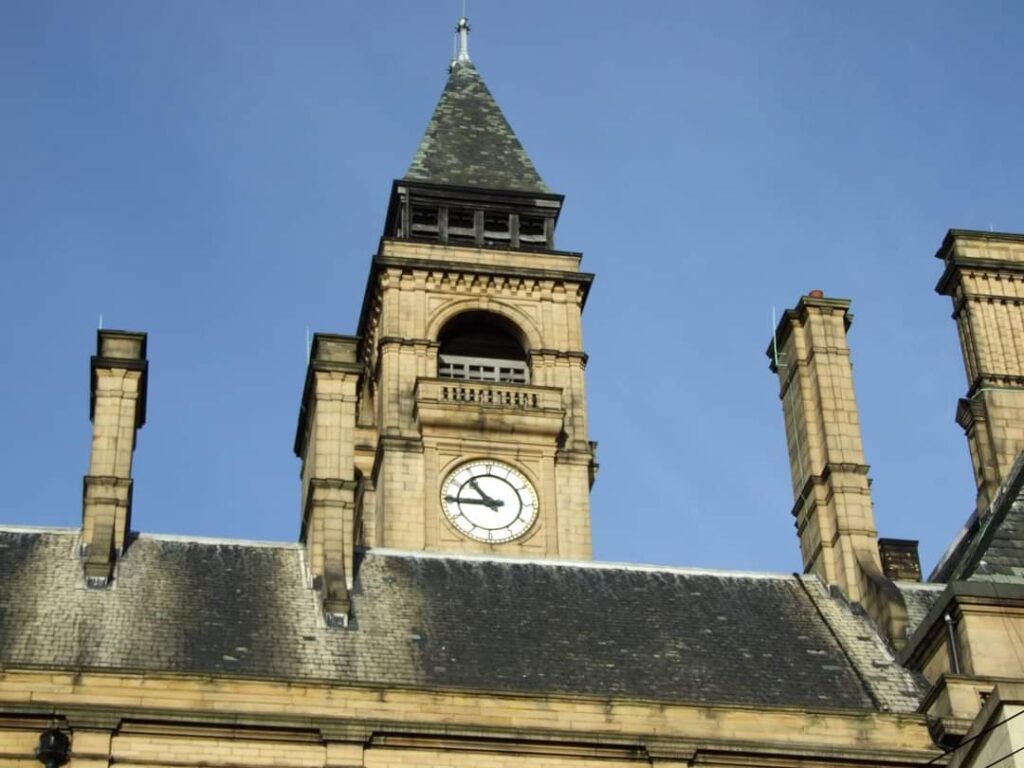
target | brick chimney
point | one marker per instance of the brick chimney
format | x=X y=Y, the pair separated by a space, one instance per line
x=833 y=509
x=117 y=408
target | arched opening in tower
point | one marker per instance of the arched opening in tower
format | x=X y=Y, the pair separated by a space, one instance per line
x=482 y=346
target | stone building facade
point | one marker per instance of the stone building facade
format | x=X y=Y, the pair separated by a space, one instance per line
x=446 y=472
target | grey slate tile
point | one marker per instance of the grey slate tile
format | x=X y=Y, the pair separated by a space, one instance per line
x=244 y=610
x=469 y=143
x=992 y=548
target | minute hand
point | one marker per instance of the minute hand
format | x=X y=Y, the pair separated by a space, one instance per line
x=491 y=503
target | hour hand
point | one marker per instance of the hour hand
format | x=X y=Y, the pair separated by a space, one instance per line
x=478 y=489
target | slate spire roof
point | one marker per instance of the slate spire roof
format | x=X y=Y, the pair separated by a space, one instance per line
x=468 y=141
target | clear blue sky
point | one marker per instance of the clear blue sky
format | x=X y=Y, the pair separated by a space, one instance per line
x=216 y=174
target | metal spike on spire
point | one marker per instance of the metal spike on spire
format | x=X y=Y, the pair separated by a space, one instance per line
x=463 y=31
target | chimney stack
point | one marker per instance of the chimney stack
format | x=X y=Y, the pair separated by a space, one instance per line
x=325 y=441
x=833 y=509
x=983 y=276
x=117 y=409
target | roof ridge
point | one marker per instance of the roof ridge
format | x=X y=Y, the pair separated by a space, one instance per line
x=971 y=555
x=214 y=540
x=65 y=529
x=136 y=536
x=607 y=565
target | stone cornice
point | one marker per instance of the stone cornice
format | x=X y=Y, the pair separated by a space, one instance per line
x=798 y=316
x=956 y=595
x=583 y=280
x=351 y=712
x=330 y=352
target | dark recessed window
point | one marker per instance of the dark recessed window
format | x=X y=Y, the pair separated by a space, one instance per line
x=461 y=228
x=496 y=229
x=531 y=230
x=424 y=222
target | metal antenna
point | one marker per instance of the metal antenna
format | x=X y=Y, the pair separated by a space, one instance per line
x=101 y=322
x=308 y=346
x=775 y=344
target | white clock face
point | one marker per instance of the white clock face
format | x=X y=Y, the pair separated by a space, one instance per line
x=489 y=501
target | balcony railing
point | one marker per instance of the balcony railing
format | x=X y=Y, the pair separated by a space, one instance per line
x=483 y=369
x=509 y=409
x=483 y=395
x=510 y=396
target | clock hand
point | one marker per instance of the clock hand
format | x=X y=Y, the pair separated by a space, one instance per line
x=478 y=489
x=491 y=503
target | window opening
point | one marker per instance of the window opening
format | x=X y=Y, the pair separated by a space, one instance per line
x=480 y=346
x=424 y=222
x=531 y=230
x=461 y=228
x=496 y=229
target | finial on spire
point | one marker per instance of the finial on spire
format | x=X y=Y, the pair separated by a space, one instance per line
x=463 y=30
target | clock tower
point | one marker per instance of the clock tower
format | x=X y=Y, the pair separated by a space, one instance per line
x=456 y=420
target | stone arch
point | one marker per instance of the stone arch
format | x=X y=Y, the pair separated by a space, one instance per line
x=481 y=344
x=530 y=336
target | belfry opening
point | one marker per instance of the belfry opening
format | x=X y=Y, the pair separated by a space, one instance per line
x=482 y=346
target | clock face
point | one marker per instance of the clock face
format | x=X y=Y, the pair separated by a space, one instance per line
x=489 y=501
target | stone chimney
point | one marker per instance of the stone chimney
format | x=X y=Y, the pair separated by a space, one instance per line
x=325 y=441
x=117 y=408
x=900 y=560
x=984 y=276
x=833 y=509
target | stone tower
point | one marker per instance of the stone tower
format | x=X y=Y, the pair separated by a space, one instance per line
x=456 y=421
x=984 y=276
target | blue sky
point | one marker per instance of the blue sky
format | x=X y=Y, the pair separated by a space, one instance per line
x=216 y=173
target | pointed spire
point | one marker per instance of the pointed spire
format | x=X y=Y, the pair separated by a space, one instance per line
x=468 y=141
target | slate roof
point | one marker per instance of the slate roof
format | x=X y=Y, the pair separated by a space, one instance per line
x=243 y=610
x=991 y=548
x=919 y=597
x=469 y=142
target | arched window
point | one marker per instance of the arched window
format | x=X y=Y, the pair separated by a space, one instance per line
x=482 y=346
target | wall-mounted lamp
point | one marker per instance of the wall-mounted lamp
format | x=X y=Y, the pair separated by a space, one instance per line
x=54 y=748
